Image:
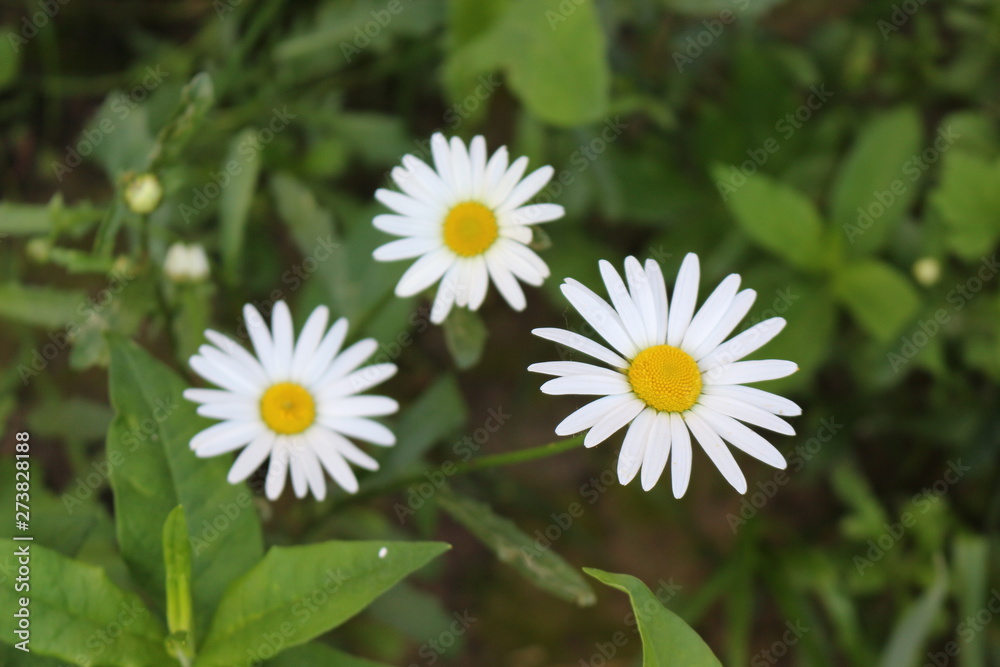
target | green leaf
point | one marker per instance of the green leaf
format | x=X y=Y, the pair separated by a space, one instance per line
x=540 y=565
x=558 y=68
x=969 y=201
x=879 y=174
x=465 y=336
x=177 y=561
x=776 y=216
x=197 y=97
x=972 y=558
x=154 y=470
x=316 y=654
x=44 y=307
x=339 y=579
x=78 y=615
x=666 y=638
x=879 y=297
x=10 y=54
x=234 y=204
x=906 y=644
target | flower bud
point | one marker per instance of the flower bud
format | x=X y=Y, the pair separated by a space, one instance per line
x=186 y=263
x=143 y=193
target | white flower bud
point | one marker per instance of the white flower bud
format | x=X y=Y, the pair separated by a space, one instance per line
x=186 y=263
x=143 y=193
x=927 y=271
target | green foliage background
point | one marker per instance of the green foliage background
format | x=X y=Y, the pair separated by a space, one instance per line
x=843 y=157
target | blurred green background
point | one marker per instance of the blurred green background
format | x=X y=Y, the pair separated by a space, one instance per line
x=844 y=157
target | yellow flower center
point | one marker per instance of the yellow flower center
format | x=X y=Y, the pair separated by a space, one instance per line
x=470 y=229
x=666 y=378
x=288 y=408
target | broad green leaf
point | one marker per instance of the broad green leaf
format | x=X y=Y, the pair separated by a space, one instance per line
x=666 y=639
x=78 y=615
x=44 y=307
x=877 y=181
x=338 y=579
x=777 y=217
x=177 y=562
x=154 y=470
x=533 y=558
x=234 y=203
x=558 y=68
x=969 y=201
x=879 y=297
x=465 y=336
x=12 y=656
x=316 y=654
x=468 y=19
x=906 y=645
x=197 y=97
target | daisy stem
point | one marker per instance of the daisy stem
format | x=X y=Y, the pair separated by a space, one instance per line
x=520 y=456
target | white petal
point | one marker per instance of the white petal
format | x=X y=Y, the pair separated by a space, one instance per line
x=680 y=460
x=477 y=161
x=213 y=396
x=563 y=368
x=222 y=376
x=360 y=380
x=522 y=261
x=442 y=161
x=479 y=282
x=634 y=446
x=624 y=306
x=331 y=458
x=344 y=447
x=741 y=436
x=251 y=457
x=498 y=194
x=612 y=422
x=308 y=342
x=401 y=225
x=657 y=451
x=225 y=437
x=346 y=362
x=311 y=467
x=591 y=413
x=328 y=348
x=495 y=169
x=519 y=233
x=764 y=400
x=685 y=298
x=428 y=179
x=716 y=450
x=743 y=344
x=447 y=294
x=587 y=385
x=746 y=412
x=659 y=291
x=277 y=470
x=238 y=353
x=425 y=272
x=240 y=411
x=527 y=188
x=299 y=485
x=645 y=304
x=742 y=372
x=408 y=206
x=462 y=282
x=461 y=168
x=360 y=406
x=362 y=429
x=414 y=186
x=260 y=336
x=601 y=316
x=505 y=282
x=737 y=311
x=711 y=312
x=230 y=366
x=577 y=342
x=534 y=214
x=405 y=248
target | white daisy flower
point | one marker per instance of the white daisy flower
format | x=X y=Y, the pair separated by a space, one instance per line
x=296 y=402
x=670 y=373
x=467 y=222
